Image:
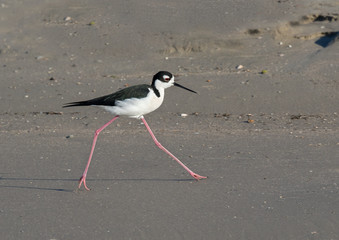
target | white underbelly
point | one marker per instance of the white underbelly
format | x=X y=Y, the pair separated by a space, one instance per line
x=136 y=107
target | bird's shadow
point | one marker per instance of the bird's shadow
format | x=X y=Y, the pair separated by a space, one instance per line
x=14 y=179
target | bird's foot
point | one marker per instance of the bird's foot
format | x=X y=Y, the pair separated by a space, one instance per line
x=197 y=176
x=83 y=180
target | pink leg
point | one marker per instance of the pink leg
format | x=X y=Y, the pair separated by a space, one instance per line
x=83 y=177
x=196 y=176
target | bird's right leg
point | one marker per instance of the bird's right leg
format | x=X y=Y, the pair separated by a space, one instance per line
x=83 y=177
x=193 y=174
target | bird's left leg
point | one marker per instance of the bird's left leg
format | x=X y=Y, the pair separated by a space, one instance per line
x=83 y=177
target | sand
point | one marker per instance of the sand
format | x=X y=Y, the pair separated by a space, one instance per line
x=272 y=174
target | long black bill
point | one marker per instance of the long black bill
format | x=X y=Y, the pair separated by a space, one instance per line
x=178 y=85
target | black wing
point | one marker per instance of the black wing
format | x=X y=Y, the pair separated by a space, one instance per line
x=138 y=91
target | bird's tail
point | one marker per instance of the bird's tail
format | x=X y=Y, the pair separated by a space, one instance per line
x=75 y=104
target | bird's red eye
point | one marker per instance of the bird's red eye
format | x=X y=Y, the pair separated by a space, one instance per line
x=166 y=79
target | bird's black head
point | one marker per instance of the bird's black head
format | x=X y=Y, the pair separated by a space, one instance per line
x=163 y=76
x=165 y=79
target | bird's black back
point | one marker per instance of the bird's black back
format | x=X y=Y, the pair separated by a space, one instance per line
x=138 y=91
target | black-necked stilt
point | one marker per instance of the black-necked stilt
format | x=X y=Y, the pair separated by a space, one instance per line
x=134 y=102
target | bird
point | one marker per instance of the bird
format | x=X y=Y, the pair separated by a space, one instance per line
x=134 y=102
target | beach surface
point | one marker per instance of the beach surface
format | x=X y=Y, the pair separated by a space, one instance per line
x=264 y=127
